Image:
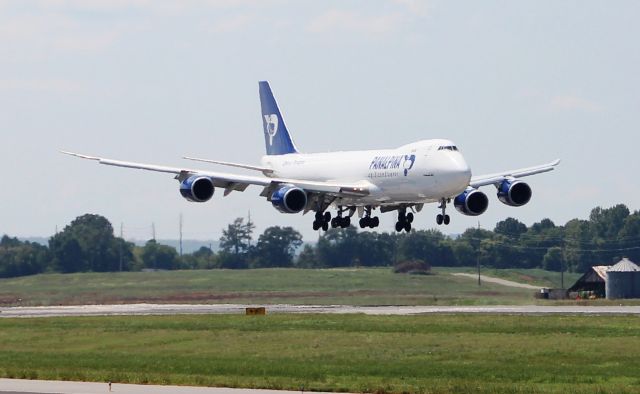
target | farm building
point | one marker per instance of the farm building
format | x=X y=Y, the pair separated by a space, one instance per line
x=593 y=280
x=621 y=280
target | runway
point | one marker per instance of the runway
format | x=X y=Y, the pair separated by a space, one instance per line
x=11 y=386
x=182 y=309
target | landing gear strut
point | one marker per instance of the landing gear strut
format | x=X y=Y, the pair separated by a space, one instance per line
x=443 y=217
x=404 y=220
x=340 y=221
x=367 y=220
x=322 y=221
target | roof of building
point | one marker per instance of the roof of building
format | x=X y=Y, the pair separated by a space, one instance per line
x=601 y=270
x=624 y=265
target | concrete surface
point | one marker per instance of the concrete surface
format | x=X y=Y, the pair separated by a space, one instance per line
x=176 y=309
x=22 y=386
x=498 y=281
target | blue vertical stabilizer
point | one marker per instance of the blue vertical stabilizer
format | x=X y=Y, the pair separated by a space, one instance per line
x=276 y=136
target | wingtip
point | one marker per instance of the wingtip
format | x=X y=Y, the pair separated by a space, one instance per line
x=78 y=155
x=556 y=162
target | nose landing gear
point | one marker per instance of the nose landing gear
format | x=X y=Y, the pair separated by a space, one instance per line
x=443 y=217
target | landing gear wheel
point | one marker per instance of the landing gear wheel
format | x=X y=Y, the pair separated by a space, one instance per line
x=407 y=226
x=447 y=219
x=410 y=217
x=327 y=216
x=335 y=222
x=376 y=221
x=346 y=222
x=363 y=222
x=325 y=226
x=316 y=225
x=439 y=219
x=399 y=226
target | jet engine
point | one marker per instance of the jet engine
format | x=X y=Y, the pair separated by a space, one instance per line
x=289 y=199
x=514 y=193
x=197 y=188
x=472 y=202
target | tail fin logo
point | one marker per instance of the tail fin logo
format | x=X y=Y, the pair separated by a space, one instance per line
x=271 y=121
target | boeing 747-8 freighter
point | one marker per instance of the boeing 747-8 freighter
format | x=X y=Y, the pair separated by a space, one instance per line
x=401 y=179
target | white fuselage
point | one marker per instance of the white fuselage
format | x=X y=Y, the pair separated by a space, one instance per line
x=423 y=171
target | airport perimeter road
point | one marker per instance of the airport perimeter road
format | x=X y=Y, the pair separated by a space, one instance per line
x=8 y=386
x=499 y=281
x=180 y=309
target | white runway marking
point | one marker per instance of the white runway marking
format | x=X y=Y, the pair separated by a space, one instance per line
x=180 y=309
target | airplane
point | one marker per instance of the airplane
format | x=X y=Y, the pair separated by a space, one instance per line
x=402 y=179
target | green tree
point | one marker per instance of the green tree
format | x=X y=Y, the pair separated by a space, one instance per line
x=235 y=244
x=511 y=228
x=307 y=258
x=88 y=244
x=19 y=258
x=553 y=259
x=158 y=256
x=276 y=247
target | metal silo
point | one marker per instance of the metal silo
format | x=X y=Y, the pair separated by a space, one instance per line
x=623 y=280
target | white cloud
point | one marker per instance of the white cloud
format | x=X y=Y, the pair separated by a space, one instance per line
x=341 y=20
x=573 y=103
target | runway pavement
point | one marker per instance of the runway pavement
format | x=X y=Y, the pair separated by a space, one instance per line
x=180 y=309
x=10 y=386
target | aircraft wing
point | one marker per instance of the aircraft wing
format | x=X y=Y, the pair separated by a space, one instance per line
x=235 y=182
x=492 y=179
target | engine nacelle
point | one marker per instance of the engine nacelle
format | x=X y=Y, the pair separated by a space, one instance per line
x=197 y=188
x=289 y=199
x=472 y=202
x=514 y=193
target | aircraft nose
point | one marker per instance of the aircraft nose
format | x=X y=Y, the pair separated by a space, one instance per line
x=460 y=168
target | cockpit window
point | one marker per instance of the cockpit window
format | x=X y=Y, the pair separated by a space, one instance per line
x=448 y=147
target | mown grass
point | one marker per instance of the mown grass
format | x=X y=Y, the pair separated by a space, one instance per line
x=357 y=353
x=372 y=286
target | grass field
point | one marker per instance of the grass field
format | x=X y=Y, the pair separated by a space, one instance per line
x=357 y=353
x=372 y=286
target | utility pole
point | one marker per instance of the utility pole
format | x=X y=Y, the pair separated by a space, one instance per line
x=121 y=244
x=180 y=234
x=478 y=255
x=153 y=231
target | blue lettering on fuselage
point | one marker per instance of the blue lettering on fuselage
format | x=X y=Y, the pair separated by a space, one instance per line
x=386 y=162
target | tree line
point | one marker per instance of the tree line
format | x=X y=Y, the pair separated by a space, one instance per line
x=88 y=244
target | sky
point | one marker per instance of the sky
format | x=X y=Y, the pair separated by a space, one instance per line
x=514 y=84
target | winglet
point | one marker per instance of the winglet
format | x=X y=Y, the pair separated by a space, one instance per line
x=80 y=155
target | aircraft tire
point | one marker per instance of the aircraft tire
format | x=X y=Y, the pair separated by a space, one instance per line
x=399 y=226
x=325 y=226
x=447 y=219
x=410 y=217
x=407 y=227
x=439 y=219
x=376 y=221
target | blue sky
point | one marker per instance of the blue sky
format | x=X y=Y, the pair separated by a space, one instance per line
x=513 y=83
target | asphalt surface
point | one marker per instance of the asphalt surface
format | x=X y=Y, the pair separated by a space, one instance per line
x=21 y=386
x=180 y=309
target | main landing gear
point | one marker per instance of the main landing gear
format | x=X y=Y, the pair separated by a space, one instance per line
x=322 y=221
x=443 y=217
x=340 y=221
x=404 y=220
x=367 y=220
